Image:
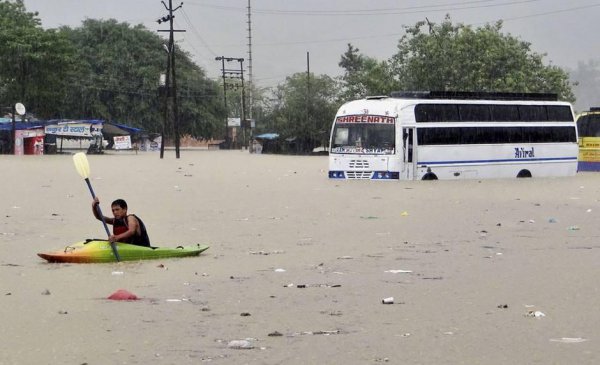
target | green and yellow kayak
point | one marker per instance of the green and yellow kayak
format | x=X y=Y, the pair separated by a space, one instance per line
x=96 y=251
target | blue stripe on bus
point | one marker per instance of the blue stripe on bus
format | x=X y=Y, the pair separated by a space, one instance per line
x=503 y=160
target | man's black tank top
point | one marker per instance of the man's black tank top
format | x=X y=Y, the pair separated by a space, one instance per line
x=120 y=226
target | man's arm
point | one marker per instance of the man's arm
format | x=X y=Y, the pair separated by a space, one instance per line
x=95 y=204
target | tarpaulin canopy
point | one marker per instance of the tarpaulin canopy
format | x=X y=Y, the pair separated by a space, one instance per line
x=73 y=127
x=114 y=129
x=268 y=136
x=20 y=126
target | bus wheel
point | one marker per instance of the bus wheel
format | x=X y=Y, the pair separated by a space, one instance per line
x=429 y=176
x=524 y=173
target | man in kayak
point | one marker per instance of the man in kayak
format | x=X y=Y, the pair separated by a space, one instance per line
x=127 y=228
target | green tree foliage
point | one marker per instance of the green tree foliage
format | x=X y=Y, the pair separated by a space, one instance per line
x=364 y=76
x=118 y=80
x=453 y=57
x=35 y=63
x=303 y=110
x=458 y=57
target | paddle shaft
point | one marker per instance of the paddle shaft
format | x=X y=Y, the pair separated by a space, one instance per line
x=112 y=244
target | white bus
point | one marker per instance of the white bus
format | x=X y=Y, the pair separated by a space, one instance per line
x=453 y=135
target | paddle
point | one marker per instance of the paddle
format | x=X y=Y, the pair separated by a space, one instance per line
x=83 y=168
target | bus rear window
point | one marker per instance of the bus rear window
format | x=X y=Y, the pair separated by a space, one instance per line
x=589 y=125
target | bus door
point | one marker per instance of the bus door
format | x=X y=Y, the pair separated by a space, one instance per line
x=407 y=170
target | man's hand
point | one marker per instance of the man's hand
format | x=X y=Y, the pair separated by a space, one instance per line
x=112 y=238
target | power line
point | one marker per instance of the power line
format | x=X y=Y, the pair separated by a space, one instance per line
x=196 y=33
x=377 y=12
x=332 y=40
x=549 y=13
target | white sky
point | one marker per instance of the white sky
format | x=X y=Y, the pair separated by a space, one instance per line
x=283 y=31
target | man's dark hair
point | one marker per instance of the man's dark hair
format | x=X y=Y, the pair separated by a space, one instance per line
x=120 y=202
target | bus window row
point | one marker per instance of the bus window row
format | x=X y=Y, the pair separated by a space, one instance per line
x=495 y=135
x=492 y=113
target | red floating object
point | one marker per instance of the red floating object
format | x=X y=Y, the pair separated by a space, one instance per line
x=122 y=294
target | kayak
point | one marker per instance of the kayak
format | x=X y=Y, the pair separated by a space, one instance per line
x=96 y=250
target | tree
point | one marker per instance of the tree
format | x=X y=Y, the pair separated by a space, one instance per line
x=460 y=58
x=364 y=76
x=303 y=110
x=35 y=63
x=119 y=77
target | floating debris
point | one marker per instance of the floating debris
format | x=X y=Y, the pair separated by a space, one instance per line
x=122 y=294
x=302 y=286
x=568 y=339
x=240 y=345
x=389 y=300
x=266 y=253
x=536 y=314
x=326 y=333
x=398 y=271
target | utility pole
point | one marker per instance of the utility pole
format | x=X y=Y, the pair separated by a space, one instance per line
x=167 y=94
x=234 y=74
x=250 y=80
x=244 y=123
x=171 y=82
x=13 y=132
x=222 y=59
x=308 y=96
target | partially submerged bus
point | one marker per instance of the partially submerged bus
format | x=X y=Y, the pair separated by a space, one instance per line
x=588 y=127
x=453 y=135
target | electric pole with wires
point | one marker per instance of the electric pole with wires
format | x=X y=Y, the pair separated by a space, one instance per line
x=170 y=90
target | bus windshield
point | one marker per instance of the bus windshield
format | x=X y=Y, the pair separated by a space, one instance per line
x=363 y=138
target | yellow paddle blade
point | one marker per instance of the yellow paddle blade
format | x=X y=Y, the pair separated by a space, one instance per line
x=81 y=164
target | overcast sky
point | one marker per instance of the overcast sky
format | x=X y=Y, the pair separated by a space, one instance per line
x=283 y=31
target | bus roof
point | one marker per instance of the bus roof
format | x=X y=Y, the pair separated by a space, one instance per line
x=476 y=95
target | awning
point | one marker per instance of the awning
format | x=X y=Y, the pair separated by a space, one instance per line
x=114 y=129
x=269 y=136
x=20 y=126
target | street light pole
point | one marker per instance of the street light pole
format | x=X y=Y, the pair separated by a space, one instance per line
x=13 y=137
